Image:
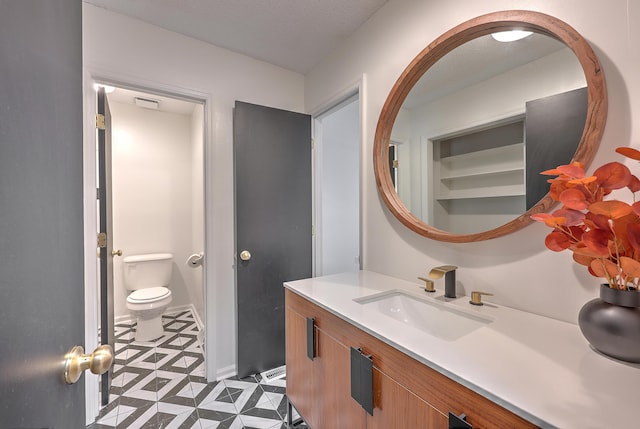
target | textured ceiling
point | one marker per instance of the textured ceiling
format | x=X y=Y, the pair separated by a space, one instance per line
x=294 y=34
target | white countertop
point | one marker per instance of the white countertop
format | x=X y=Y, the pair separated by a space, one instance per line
x=539 y=368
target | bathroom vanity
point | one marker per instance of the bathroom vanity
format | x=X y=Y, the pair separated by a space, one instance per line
x=366 y=350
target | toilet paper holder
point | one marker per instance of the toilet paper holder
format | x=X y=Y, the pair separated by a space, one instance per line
x=195 y=260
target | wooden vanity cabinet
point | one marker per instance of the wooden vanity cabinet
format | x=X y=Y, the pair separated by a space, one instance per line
x=406 y=393
x=320 y=388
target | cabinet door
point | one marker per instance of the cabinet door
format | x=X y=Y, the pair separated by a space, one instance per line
x=333 y=377
x=301 y=389
x=320 y=389
x=397 y=407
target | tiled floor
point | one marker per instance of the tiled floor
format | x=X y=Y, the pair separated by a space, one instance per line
x=161 y=384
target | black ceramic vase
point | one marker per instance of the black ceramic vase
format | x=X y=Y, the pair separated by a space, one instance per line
x=611 y=323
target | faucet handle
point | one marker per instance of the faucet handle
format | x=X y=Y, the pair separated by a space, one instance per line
x=476 y=297
x=428 y=285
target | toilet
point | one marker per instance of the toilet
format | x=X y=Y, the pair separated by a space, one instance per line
x=147 y=278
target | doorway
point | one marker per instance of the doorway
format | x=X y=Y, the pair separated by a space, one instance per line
x=337 y=136
x=158 y=190
x=158 y=177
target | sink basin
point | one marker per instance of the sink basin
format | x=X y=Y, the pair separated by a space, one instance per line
x=433 y=317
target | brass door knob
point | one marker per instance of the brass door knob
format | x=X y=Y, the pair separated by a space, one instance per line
x=476 y=297
x=116 y=252
x=245 y=255
x=76 y=362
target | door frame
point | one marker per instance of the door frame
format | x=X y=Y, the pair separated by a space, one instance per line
x=92 y=76
x=357 y=88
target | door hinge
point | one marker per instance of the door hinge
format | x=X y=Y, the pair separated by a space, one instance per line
x=97 y=193
x=100 y=121
x=313 y=144
x=102 y=240
x=313 y=230
x=395 y=163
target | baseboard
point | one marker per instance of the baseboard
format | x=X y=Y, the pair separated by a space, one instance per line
x=226 y=372
x=123 y=319
x=126 y=318
x=196 y=316
x=200 y=326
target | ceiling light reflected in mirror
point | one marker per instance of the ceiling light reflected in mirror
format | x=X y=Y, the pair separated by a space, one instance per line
x=511 y=36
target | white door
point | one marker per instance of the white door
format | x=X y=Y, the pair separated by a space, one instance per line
x=337 y=189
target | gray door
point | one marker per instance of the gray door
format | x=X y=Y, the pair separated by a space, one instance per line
x=272 y=151
x=106 y=232
x=554 y=127
x=41 y=212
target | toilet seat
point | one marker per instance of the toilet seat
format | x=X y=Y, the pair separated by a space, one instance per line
x=148 y=295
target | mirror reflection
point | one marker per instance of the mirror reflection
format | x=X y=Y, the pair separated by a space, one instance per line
x=473 y=134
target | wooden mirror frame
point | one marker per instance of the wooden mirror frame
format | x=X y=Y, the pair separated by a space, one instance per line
x=477 y=27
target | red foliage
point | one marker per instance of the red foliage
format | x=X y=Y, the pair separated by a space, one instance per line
x=604 y=235
x=629 y=152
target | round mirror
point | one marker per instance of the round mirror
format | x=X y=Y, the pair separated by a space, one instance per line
x=472 y=121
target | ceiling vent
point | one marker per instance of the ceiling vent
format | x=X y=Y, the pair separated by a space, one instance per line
x=146 y=103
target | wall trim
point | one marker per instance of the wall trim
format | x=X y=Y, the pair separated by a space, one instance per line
x=127 y=318
x=226 y=372
x=351 y=89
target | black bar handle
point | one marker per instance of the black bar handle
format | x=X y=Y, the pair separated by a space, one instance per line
x=355 y=375
x=458 y=422
x=311 y=338
x=366 y=382
x=362 y=379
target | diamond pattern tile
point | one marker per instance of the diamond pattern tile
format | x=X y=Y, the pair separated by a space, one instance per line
x=161 y=384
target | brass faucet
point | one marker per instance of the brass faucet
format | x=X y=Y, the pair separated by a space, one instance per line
x=449 y=273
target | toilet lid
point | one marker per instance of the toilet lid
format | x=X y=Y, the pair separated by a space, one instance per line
x=149 y=294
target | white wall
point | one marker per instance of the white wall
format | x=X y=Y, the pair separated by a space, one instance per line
x=517 y=268
x=153 y=195
x=126 y=50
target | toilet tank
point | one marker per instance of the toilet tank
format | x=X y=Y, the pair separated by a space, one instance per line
x=149 y=270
